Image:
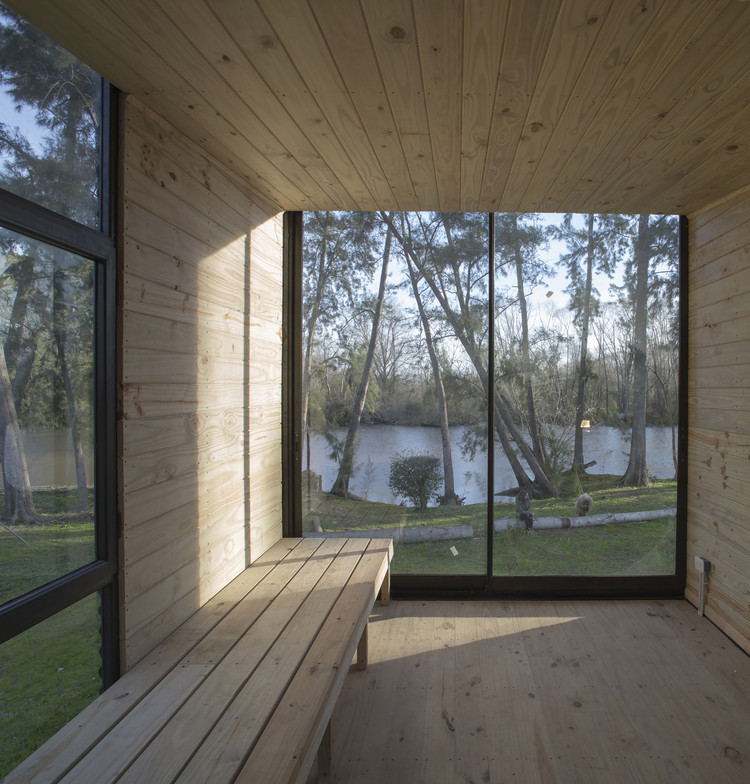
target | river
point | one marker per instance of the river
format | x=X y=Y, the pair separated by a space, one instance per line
x=609 y=446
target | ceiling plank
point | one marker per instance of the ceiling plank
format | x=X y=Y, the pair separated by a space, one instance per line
x=661 y=69
x=440 y=36
x=223 y=60
x=344 y=28
x=699 y=175
x=170 y=56
x=301 y=36
x=254 y=36
x=393 y=33
x=708 y=105
x=577 y=28
x=620 y=33
x=482 y=51
x=575 y=183
x=525 y=40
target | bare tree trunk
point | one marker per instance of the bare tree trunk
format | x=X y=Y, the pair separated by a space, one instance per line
x=309 y=342
x=536 y=442
x=83 y=492
x=578 y=460
x=19 y=503
x=449 y=493
x=636 y=474
x=341 y=485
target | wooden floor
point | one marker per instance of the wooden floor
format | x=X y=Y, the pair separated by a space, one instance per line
x=642 y=691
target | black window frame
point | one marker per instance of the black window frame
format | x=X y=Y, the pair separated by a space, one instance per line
x=488 y=585
x=100 y=575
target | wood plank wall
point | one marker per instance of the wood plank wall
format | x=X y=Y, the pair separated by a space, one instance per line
x=200 y=412
x=719 y=412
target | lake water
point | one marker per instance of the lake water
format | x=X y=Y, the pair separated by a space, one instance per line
x=609 y=446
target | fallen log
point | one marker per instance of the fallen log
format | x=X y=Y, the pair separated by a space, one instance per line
x=505 y=523
x=421 y=533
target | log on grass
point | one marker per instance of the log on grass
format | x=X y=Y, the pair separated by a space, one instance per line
x=421 y=533
x=504 y=523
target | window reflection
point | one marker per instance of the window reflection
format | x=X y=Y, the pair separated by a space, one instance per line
x=398 y=389
x=50 y=133
x=395 y=350
x=46 y=413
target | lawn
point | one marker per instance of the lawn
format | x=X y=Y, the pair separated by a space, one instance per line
x=614 y=549
x=49 y=673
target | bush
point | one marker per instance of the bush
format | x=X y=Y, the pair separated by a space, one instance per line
x=414 y=477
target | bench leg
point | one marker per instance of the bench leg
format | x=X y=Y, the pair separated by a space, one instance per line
x=385 y=588
x=325 y=756
x=362 y=650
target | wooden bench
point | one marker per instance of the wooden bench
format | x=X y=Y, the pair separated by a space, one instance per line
x=244 y=689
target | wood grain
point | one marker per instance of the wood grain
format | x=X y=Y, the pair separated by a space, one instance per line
x=719 y=413
x=201 y=370
x=545 y=691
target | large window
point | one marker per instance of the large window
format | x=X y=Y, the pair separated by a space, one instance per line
x=426 y=337
x=57 y=540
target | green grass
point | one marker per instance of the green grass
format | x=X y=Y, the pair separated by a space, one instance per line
x=606 y=550
x=49 y=673
x=62 y=541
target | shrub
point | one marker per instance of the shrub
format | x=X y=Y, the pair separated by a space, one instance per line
x=414 y=477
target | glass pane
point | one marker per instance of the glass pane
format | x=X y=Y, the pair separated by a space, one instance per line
x=46 y=413
x=587 y=323
x=50 y=103
x=395 y=370
x=48 y=674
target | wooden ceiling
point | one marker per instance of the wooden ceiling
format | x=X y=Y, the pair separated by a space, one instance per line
x=508 y=105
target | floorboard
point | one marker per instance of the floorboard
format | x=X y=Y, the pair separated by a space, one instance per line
x=581 y=691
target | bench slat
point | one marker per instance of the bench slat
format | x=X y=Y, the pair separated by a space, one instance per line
x=223 y=753
x=214 y=665
x=245 y=687
x=176 y=744
x=289 y=743
x=51 y=761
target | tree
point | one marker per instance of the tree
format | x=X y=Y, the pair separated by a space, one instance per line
x=338 y=261
x=449 y=497
x=636 y=474
x=397 y=346
x=64 y=95
x=518 y=240
x=19 y=503
x=453 y=263
x=654 y=241
x=597 y=247
x=59 y=172
x=62 y=306
x=341 y=485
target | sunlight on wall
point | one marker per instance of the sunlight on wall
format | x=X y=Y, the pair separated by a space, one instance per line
x=219 y=422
